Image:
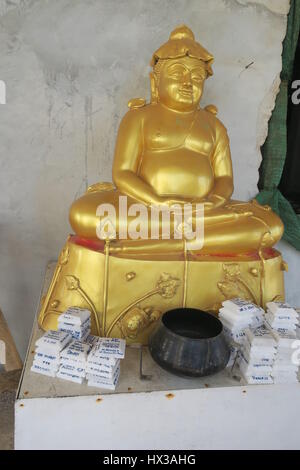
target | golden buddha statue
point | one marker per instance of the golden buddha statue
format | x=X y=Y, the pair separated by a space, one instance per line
x=172 y=151
x=169 y=153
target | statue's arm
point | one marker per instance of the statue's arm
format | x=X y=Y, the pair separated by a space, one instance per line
x=128 y=152
x=222 y=166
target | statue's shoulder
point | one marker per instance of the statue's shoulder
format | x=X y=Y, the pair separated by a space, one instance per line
x=211 y=112
x=136 y=103
x=135 y=114
x=139 y=110
x=212 y=109
x=209 y=115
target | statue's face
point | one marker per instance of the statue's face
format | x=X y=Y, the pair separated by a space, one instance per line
x=180 y=84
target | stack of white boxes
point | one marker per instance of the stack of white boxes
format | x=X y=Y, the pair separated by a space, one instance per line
x=257 y=355
x=103 y=364
x=75 y=321
x=73 y=361
x=91 y=340
x=47 y=352
x=281 y=317
x=237 y=315
x=72 y=353
x=96 y=359
x=286 y=367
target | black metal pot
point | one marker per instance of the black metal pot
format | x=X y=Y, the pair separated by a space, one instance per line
x=189 y=342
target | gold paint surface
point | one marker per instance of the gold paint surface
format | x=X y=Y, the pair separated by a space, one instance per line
x=133 y=309
x=167 y=151
x=173 y=151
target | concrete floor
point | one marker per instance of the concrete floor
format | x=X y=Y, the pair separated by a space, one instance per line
x=8 y=387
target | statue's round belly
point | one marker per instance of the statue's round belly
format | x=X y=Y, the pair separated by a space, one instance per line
x=181 y=172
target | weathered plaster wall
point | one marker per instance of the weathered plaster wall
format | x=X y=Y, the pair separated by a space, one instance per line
x=70 y=67
x=276 y=6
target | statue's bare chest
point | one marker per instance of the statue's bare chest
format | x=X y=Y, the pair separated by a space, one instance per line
x=167 y=134
x=176 y=157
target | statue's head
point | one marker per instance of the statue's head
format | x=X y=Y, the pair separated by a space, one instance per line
x=180 y=67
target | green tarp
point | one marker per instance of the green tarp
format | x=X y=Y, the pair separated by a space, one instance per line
x=275 y=147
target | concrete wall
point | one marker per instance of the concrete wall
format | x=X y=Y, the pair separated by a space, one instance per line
x=70 y=66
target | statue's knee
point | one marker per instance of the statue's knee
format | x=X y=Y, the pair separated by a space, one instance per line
x=83 y=218
x=80 y=217
x=277 y=228
x=76 y=215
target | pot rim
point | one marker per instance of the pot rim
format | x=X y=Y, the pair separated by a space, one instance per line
x=187 y=338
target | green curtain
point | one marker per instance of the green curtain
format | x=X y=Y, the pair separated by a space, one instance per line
x=275 y=148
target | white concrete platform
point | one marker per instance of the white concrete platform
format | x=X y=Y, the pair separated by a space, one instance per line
x=157 y=412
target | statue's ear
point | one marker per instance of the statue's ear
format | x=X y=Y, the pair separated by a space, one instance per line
x=153 y=85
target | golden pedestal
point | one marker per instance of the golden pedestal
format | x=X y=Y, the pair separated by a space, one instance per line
x=127 y=296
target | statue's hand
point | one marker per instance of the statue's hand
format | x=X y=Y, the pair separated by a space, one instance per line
x=214 y=201
x=176 y=200
x=211 y=202
x=169 y=201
